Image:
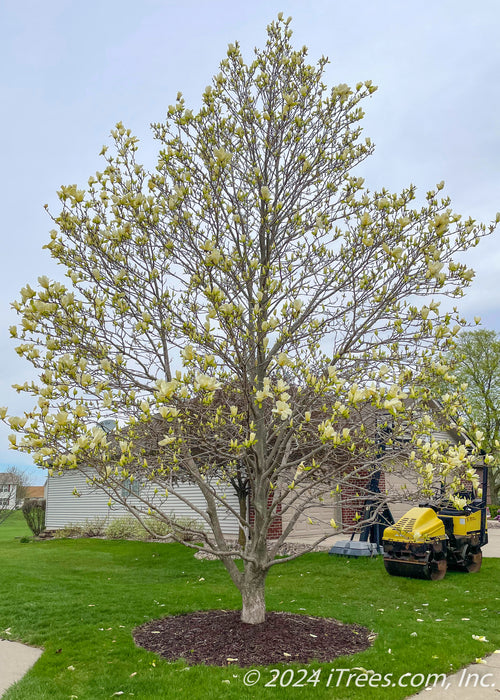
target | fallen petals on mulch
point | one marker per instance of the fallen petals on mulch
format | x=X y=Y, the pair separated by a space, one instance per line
x=219 y=638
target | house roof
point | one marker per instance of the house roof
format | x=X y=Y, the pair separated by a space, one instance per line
x=6 y=478
x=35 y=492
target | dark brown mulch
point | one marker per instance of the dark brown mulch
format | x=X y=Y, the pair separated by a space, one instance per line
x=219 y=638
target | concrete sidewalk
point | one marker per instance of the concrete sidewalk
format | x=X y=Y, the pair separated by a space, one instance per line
x=481 y=681
x=15 y=660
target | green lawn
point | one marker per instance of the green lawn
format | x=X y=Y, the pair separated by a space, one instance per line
x=14 y=526
x=81 y=599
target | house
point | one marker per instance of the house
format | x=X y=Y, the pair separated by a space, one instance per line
x=72 y=498
x=394 y=485
x=8 y=491
x=35 y=493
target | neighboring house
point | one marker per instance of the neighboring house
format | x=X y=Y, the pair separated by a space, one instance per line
x=91 y=503
x=35 y=493
x=8 y=491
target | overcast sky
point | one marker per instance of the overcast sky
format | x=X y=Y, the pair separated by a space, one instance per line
x=71 y=70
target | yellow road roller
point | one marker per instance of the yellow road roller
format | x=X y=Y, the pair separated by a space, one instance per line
x=428 y=539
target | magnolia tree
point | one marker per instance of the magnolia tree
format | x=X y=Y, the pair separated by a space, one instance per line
x=251 y=317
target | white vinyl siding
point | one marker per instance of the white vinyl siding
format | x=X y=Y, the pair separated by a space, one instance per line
x=63 y=507
x=8 y=496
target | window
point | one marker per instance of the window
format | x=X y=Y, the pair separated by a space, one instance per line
x=4 y=502
x=4 y=488
x=131 y=488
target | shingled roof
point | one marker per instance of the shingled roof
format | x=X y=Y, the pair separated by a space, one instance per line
x=35 y=492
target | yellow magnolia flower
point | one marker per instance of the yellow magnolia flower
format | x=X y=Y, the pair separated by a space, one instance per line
x=203 y=381
x=188 y=353
x=356 y=394
x=16 y=422
x=284 y=361
x=252 y=439
x=62 y=418
x=222 y=156
x=281 y=386
x=214 y=257
x=283 y=410
x=328 y=432
x=168 y=412
x=166 y=389
x=434 y=268
x=458 y=502
x=167 y=440
x=393 y=405
x=106 y=365
x=265 y=193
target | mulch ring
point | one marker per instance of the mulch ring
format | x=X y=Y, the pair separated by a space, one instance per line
x=219 y=638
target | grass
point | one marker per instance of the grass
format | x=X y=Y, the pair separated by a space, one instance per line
x=81 y=599
x=14 y=526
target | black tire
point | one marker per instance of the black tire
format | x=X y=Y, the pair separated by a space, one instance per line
x=473 y=560
x=436 y=569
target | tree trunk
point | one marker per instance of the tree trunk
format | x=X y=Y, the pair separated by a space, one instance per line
x=242 y=539
x=252 y=590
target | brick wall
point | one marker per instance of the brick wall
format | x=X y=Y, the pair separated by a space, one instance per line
x=276 y=527
x=350 y=503
x=354 y=496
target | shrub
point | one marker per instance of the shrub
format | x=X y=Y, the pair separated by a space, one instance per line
x=125 y=528
x=162 y=529
x=34 y=514
x=69 y=530
x=128 y=528
x=94 y=527
x=493 y=510
x=187 y=523
x=159 y=528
